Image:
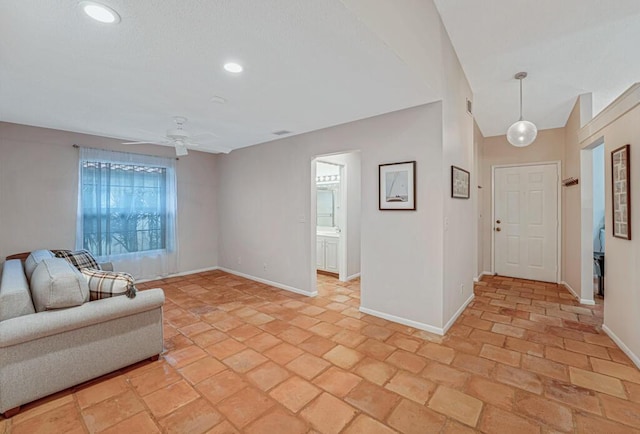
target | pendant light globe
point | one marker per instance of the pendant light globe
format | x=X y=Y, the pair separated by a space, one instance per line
x=522 y=133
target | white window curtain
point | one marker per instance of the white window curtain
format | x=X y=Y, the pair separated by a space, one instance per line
x=127 y=211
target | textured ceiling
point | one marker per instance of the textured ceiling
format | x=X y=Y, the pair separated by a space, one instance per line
x=568 y=47
x=308 y=65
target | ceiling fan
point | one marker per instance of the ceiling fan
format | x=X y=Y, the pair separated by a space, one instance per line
x=181 y=139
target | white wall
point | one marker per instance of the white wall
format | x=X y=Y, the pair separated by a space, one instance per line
x=405 y=256
x=39 y=193
x=352 y=168
x=598 y=196
x=622 y=276
x=264 y=211
x=460 y=225
x=572 y=203
x=478 y=150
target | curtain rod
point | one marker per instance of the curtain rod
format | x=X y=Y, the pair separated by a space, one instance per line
x=124 y=152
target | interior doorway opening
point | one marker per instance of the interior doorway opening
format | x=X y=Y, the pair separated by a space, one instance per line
x=590 y=169
x=335 y=209
x=598 y=226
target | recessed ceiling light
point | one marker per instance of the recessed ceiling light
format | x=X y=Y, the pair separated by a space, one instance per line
x=100 y=12
x=233 y=67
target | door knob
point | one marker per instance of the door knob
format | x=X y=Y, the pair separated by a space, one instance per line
x=498 y=221
x=498 y=229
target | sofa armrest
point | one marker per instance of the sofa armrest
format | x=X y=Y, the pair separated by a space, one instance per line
x=42 y=324
x=106 y=266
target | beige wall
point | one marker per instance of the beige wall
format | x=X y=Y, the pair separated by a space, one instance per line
x=549 y=146
x=571 y=204
x=39 y=193
x=622 y=276
x=265 y=211
x=478 y=146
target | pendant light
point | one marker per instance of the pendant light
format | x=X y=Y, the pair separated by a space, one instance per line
x=521 y=133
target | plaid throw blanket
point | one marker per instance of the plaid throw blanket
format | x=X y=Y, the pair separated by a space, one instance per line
x=106 y=284
x=80 y=259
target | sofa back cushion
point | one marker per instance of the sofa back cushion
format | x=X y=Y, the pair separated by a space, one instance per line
x=15 y=298
x=106 y=284
x=56 y=284
x=34 y=259
x=79 y=259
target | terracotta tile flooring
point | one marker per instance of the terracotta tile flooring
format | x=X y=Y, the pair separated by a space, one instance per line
x=243 y=357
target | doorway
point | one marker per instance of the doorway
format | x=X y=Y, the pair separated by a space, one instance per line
x=335 y=206
x=526 y=208
x=598 y=219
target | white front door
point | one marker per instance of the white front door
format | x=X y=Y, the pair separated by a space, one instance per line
x=526 y=222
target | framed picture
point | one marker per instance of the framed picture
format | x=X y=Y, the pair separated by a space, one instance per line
x=397 y=186
x=460 y=180
x=621 y=192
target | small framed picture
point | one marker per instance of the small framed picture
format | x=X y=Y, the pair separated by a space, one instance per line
x=460 y=180
x=621 y=192
x=397 y=186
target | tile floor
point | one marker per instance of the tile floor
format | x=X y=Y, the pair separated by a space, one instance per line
x=244 y=357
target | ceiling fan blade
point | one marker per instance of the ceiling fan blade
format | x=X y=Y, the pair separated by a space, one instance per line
x=204 y=136
x=209 y=147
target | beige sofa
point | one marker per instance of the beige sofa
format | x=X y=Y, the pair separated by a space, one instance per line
x=44 y=352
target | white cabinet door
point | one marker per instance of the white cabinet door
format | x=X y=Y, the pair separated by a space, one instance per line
x=526 y=222
x=331 y=254
x=320 y=253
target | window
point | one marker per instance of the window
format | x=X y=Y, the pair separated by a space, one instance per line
x=126 y=203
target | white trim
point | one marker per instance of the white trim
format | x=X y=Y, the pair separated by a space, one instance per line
x=634 y=358
x=404 y=321
x=182 y=273
x=269 y=282
x=344 y=223
x=455 y=316
x=484 y=273
x=587 y=302
x=353 y=276
x=586 y=220
x=558 y=165
x=571 y=290
x=621 y=105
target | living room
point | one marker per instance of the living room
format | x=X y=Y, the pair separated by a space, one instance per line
x=244 y=219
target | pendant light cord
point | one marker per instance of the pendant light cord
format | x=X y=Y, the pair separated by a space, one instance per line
x=520 y=98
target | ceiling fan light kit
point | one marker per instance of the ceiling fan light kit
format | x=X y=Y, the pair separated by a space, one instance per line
x=522 y=133
x=181 y=139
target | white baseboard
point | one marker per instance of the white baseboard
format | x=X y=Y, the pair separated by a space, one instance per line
x=404 y=321
x=634 y=358
x=484 y=273
x=182 y=273
x=575 y=294
x=270 y=283
x=353 y=276
x=571 y=290
x=455 y=316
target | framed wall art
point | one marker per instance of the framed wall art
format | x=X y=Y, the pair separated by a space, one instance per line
x=621 y=192
x=397 y=186
x=460 y=183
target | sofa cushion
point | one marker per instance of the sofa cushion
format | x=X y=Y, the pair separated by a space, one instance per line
x=15 y=298
x=34 y=259
x=56 y=283
x=106 y=284
x=79 y=259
